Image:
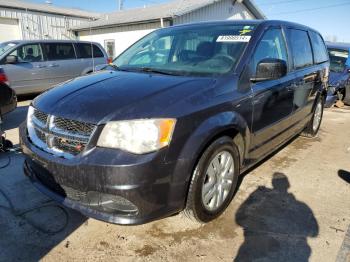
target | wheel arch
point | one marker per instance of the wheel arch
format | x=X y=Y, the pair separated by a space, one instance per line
x=223 y=124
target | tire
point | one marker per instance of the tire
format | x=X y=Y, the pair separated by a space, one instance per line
x=313 y=126
x=200 y=207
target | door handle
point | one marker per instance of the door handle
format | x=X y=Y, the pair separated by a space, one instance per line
x=53 y=65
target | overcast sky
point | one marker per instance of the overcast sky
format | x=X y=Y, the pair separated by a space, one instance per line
x=331 y=18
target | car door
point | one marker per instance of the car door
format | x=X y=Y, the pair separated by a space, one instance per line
x=272 y=99
x=306 y=74
x=61 y=62
x=29 y=74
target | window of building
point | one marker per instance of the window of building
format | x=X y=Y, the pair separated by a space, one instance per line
x=110 y=48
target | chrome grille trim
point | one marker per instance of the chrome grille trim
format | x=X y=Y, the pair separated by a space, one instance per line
x=67 y=139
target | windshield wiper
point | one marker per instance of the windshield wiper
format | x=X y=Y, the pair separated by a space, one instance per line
x=152 y=70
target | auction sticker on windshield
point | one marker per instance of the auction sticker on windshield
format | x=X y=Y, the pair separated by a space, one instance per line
x=233 y=38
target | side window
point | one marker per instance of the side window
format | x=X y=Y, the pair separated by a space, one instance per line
x=85 y=50
x=319 y=48
x=28 y=53
x=272 y=45
x=59 y=51
x=301 y=48
x=97 y=52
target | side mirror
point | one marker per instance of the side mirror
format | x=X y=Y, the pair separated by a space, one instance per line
x=11 y=59
x=270 y=69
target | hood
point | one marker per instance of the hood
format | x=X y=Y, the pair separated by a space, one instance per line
x=117 y=95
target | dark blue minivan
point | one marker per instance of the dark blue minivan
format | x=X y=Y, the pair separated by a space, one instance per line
x=177 y=117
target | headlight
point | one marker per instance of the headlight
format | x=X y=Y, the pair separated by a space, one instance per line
x=137 y=136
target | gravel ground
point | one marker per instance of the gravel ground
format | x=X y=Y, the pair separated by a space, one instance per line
x=294 y=206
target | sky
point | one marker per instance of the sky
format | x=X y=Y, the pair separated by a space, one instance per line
x=328 y=17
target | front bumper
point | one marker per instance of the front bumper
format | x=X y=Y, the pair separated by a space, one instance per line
x=109 y=185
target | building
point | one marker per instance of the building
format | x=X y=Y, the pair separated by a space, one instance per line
x=25 y=20
x=117 y=31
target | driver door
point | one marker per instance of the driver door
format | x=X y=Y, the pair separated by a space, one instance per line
x=29 y=74
x=273 y=99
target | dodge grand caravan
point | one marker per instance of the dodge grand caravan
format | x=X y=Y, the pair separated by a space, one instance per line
x=37 y=65
x=177 y=117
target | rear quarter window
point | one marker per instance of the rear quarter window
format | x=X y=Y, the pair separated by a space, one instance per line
x=86 y=50
x=301 y=48
x=59 y=51
x=319 y=48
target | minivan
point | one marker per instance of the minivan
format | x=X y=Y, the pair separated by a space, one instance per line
x=175 y=119
x=37 y=65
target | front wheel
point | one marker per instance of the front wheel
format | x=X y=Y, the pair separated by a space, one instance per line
x=214 y=181
x=313 y=126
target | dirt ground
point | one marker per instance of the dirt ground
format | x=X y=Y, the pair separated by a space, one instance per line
x=294 y=206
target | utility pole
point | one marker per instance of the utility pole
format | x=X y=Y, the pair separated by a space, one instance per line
x=120 y=5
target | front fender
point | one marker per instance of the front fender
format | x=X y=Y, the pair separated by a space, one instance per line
x=201 y=137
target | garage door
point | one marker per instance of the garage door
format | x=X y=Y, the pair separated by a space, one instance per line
x=9 y=29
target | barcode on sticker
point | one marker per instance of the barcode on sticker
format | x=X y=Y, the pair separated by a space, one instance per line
x=233 y=38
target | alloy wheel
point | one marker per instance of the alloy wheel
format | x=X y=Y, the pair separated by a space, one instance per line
x=218 y=180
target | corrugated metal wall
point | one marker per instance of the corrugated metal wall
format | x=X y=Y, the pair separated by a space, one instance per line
x=222 y=10
x=37 y=25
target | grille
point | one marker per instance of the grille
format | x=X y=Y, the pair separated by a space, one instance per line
x=40 y=116
x=59 y=136
x=74 y=127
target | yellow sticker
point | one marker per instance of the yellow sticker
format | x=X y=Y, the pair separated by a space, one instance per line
x=245 y=31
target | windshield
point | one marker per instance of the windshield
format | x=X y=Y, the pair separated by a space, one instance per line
x=338 y=60
x=205 y=50
x=6 y=46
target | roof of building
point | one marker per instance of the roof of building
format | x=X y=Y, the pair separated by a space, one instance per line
x=47 y=8
x=154 y=12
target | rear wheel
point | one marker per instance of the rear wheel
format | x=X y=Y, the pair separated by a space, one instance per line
x=214 y=181
x=313 y=126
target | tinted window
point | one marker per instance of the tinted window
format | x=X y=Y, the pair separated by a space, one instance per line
x=28 y=53
x=86 y=50
x=338 y=59
x=319 y=48
x=272 y=45
x=59 y=51
x=301 y=48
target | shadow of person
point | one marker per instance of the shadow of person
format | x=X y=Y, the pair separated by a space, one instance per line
x=276 y=225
